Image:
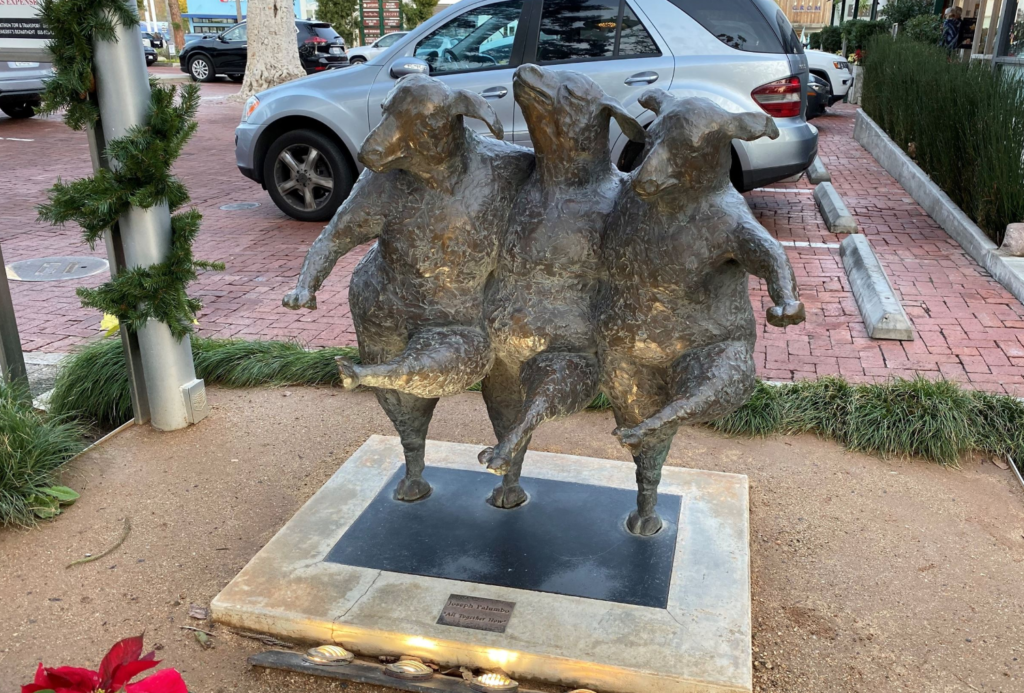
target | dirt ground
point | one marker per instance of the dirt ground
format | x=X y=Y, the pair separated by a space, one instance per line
x=868 y=575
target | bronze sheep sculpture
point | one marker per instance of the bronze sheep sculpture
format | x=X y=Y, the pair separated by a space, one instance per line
x=548 y=275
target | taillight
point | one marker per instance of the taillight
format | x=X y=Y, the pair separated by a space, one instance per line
x=316 y=39
x=781 y=98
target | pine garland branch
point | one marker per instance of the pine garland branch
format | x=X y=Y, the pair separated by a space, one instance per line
x=140 y=175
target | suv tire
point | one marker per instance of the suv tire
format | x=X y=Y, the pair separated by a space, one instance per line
x=18 y=110
x=200 y=69
x=302 y=193
x=357 y=60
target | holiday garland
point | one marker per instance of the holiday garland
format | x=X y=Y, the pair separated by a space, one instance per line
x=142 y=178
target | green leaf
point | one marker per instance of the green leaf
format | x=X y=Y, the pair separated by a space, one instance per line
x=44 y=507
x=65 y=495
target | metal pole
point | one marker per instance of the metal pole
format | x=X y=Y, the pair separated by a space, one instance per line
x=176 y=397
x=115 y=256
x=12 y=362
x=238 y=10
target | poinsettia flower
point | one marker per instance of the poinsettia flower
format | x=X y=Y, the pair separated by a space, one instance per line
x=120 y=665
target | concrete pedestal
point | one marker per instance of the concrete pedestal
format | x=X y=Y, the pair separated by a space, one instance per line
x=554 y=591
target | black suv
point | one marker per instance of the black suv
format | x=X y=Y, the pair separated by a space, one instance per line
x=320 y=48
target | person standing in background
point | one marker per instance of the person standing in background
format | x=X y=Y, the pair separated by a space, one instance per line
x=951 y=28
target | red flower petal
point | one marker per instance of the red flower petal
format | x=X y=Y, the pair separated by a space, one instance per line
x=72 y=678
x=126 y=672
x=39 y=683
x=166 y=681
x=123 y=652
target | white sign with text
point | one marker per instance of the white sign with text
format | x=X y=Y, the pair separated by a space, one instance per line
x=21 y=33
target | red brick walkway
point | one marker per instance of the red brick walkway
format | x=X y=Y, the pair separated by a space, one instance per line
x=968 y=327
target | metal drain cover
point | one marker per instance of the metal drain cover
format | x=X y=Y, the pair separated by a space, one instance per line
x=51 y=269
x=236 y=206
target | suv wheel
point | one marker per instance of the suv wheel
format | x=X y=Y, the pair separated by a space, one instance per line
x=18 y=110
x=307 y=175
x=357 y=60
x=201 y=69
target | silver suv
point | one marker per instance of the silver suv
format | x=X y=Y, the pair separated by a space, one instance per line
x=21 y=84
x=300 y=139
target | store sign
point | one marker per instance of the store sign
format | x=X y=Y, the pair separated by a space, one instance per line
x=22 y=35
x=379 y=17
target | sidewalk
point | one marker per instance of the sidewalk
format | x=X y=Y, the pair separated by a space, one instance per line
x=968 y=327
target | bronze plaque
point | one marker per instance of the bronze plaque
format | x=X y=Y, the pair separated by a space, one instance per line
x=476 y=613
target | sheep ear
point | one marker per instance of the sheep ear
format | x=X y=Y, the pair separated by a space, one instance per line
x=655 y=100
x=632 y=129
x=752 y=126
x=471 y=105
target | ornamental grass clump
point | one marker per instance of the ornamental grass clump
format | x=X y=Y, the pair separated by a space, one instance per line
x=32 y=449
x=964 y=122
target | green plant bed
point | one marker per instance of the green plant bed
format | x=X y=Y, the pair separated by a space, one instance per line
x=936 y=420
x=963 y=120
x=32 y=449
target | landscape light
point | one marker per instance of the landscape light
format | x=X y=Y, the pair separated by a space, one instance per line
x=328 y=655
x=487 y=683
x=408 y=670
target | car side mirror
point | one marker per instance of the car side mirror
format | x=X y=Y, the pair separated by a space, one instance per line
x=409 y=66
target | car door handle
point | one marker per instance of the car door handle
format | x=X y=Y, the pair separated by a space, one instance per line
x=642 y=78
x=494 y=93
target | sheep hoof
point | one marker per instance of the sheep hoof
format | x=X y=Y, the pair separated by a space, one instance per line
x=643 y=526
x=507 y=497
x=347 y=370
x=412 y=489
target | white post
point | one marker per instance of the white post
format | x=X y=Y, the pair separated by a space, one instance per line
x=176 y=398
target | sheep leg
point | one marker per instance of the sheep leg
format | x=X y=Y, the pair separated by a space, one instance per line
x=436 y=362
x=410 y=416
x=636 y=392
x=555 y=385
x=503 y=395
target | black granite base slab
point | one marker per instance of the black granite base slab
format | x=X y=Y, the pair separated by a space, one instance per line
x=568 y=539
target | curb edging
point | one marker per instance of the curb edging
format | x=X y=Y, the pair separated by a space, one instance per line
x=1008 y=271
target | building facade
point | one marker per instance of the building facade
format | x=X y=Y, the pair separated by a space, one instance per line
x=214 y=16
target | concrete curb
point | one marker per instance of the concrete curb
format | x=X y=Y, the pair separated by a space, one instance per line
x=881 y=310
x=1008 y=271
x=833 y=210
x=817 y=173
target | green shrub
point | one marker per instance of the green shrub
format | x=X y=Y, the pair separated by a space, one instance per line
x=814 y=41
x=963 y=120
x=93 y=384
x=925 y=28
x=858 y=32
x=902 y=11
x=32 y=449
x=831 y=39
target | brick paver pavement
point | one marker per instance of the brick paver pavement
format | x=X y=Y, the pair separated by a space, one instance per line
x=968 y=327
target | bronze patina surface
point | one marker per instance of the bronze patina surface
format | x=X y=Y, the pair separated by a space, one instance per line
x=549 y=275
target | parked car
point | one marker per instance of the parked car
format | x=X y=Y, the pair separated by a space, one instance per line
x=320 y=48
x=835 y=70
x=300 y=140
x=21 y=86
x=155 y=39
x=818 y=94
x=150 y=55
x=363 y=53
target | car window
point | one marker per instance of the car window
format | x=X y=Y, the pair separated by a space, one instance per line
x=239 y=33
x=790 y=41
x=736 y=23
x=590 y=29
x=577 y=29
x=474 y=40
x=326 y=31
x=388 y=41
x=634 y=39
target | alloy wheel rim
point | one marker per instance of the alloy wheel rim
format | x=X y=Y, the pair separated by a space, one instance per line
x=200 y=70
x=304 y=177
